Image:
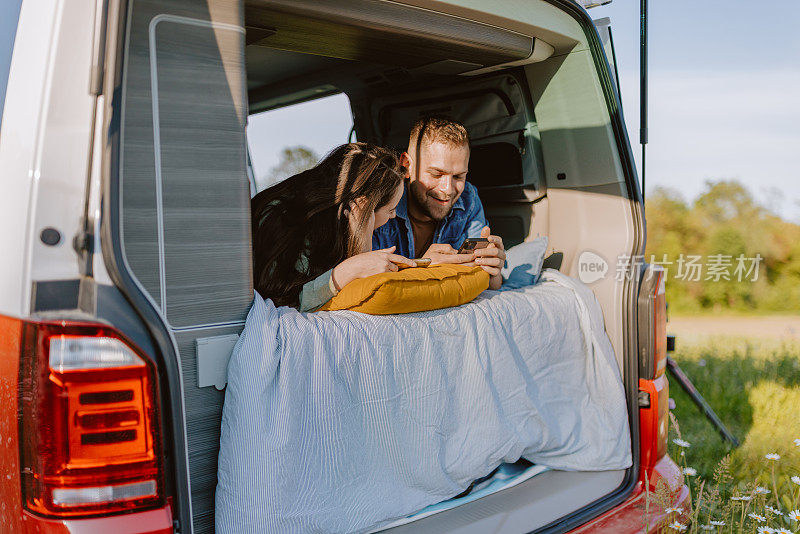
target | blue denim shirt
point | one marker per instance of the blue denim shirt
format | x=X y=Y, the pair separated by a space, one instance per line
x=466 y=219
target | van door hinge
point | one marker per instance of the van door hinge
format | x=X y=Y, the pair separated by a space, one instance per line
x=83 y=244
x=644 y=399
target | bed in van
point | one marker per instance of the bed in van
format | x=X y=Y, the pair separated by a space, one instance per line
x=126 y=234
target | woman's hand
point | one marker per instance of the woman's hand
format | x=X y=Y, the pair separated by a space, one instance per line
x=367 y=264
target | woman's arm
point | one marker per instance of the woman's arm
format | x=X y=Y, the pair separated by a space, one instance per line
x=323 y=288
x=317 y=292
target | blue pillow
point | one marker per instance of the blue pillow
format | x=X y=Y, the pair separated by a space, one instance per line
x=524 y=263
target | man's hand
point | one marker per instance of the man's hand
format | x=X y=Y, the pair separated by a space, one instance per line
x=443 y=253
x=491 y=258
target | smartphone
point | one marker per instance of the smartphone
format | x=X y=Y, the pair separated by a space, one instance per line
x=472 y=244
x=421 y=262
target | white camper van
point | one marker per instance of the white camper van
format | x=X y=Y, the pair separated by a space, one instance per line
x=125 y=209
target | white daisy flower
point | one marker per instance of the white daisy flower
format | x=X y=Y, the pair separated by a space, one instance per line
x=797 y=442
x=773 y=456
x=717 y=523
x=677 y=526
x=761 y=490
x=794 y=515
x=672 y=510
x=741 y=498
x=759 y=518
x=681 y=442
x=796 y=480
x=783 y=530
x=689 y=471
x=774 y=510
x=765 y=530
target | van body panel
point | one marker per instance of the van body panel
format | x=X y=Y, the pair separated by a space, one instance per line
x=19 y=158
x=44 y=147
x=10 y=485
x=64 y=144
x=158 y=521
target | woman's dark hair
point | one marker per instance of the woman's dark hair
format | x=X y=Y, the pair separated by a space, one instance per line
x=301 y=227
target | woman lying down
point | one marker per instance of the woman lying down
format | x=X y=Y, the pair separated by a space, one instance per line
x=344 y=422
x=313 y=233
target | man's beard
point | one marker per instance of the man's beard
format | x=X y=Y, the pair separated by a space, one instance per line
x=428 y=206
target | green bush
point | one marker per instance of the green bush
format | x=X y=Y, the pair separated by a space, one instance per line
x=724 y=223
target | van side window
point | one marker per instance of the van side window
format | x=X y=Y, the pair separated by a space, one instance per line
x=9 y=15
x=288 y=140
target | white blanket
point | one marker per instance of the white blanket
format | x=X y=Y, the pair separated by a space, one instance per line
x=342 y=422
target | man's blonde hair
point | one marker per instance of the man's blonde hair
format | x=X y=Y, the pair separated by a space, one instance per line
x=438 y=129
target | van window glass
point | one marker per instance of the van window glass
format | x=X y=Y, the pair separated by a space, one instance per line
x=285 y=141
x=9 y=15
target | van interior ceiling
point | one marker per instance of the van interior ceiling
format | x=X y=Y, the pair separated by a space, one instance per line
x=393 y=75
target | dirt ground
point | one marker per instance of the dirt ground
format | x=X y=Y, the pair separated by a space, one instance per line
x=774 y=326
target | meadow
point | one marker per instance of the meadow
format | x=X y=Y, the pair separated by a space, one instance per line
x=753 y=384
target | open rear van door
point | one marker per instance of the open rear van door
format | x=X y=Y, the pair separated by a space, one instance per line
x=176 y=227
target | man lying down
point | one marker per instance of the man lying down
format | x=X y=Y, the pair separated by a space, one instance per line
x=344 y=422
x=363 y=211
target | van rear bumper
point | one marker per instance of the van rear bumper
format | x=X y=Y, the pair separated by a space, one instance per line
x=158 y=521
x=636 y=515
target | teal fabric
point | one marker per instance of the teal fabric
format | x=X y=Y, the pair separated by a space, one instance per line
x=317 y=292
x=506 y=476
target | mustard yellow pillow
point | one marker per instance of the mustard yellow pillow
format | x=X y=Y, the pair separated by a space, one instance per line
x=411 y=290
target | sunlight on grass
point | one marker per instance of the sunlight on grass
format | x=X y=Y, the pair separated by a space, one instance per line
x=775 y=426
x=754 y=387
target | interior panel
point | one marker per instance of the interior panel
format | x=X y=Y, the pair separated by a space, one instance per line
x=185 y=198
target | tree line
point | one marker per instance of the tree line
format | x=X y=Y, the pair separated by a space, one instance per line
x=726 y=228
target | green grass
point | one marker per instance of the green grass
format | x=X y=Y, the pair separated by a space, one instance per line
x=754 y=387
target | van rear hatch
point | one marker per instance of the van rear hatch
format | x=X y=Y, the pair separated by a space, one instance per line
x=176 y=228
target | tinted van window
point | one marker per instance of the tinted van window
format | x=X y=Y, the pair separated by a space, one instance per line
x=9 y=15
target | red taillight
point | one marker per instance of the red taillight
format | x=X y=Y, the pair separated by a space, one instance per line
x=652 y=324
x=653 y=385
x=653 y=421
x=660 y=327
x=89 y=425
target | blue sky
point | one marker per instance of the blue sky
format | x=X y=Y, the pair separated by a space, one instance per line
x=9 y=12
x=724 y=98
x=724 y=94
